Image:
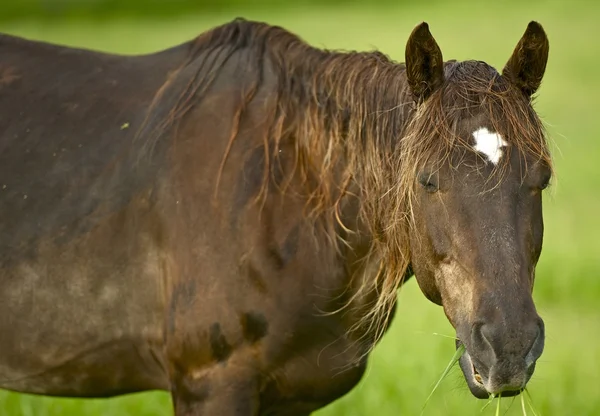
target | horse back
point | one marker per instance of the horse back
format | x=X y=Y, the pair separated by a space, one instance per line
x=79 y=259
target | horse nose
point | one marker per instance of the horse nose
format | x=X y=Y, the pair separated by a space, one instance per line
x=505 y=356
x=524 y=341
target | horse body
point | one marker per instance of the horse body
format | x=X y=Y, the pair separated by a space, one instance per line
x=117 y=270
x=82 y=292
x=181 y=221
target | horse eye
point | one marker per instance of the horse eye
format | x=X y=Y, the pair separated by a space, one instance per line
x=545 y=184
x=429 y=182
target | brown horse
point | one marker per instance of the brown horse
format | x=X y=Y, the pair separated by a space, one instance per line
x=230 y=219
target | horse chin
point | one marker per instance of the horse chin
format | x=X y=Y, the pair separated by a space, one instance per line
x=474 y=380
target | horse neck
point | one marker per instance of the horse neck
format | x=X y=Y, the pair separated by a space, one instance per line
x=346 y=114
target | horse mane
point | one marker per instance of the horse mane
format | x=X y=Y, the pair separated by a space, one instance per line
x=356 y=132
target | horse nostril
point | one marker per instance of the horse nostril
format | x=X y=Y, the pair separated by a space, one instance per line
x=537 y=347
x=482 y=338
x=489 y=335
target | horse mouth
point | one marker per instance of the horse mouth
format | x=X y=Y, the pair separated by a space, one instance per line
x=475 y=381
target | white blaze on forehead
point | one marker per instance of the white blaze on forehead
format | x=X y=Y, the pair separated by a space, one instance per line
x=489 y=143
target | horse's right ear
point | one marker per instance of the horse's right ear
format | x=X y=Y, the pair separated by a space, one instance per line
x=424 y=63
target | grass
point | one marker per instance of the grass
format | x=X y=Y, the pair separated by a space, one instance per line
x=455 y=358
x=405 y=367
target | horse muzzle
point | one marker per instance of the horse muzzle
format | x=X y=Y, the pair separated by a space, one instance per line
x=493 y=366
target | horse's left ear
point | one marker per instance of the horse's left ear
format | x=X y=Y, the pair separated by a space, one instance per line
x=424 y=63
x=525 y=68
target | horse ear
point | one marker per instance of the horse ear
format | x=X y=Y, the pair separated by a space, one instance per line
x=525 y=68
x=424 y=63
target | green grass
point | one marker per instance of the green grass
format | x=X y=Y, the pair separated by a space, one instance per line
x=411 y=358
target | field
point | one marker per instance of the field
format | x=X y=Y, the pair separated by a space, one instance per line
x=408 y=362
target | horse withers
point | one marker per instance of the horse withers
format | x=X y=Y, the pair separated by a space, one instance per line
x=230 y=219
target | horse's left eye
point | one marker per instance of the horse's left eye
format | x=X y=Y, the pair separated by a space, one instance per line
x=545 y=183
x=429 y=182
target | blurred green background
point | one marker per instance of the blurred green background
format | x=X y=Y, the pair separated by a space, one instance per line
x=410 y=359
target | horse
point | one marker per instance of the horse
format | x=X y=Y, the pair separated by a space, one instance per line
x=230 y=219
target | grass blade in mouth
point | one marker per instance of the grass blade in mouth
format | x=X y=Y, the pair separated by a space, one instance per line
x=492 y=397
x=498 y=406
x=510 y=405
x=523 y=404
x=530 y=402
x=444 y=335
x=457 y=354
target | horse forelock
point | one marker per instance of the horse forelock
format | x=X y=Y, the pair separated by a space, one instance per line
x=471 y=89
